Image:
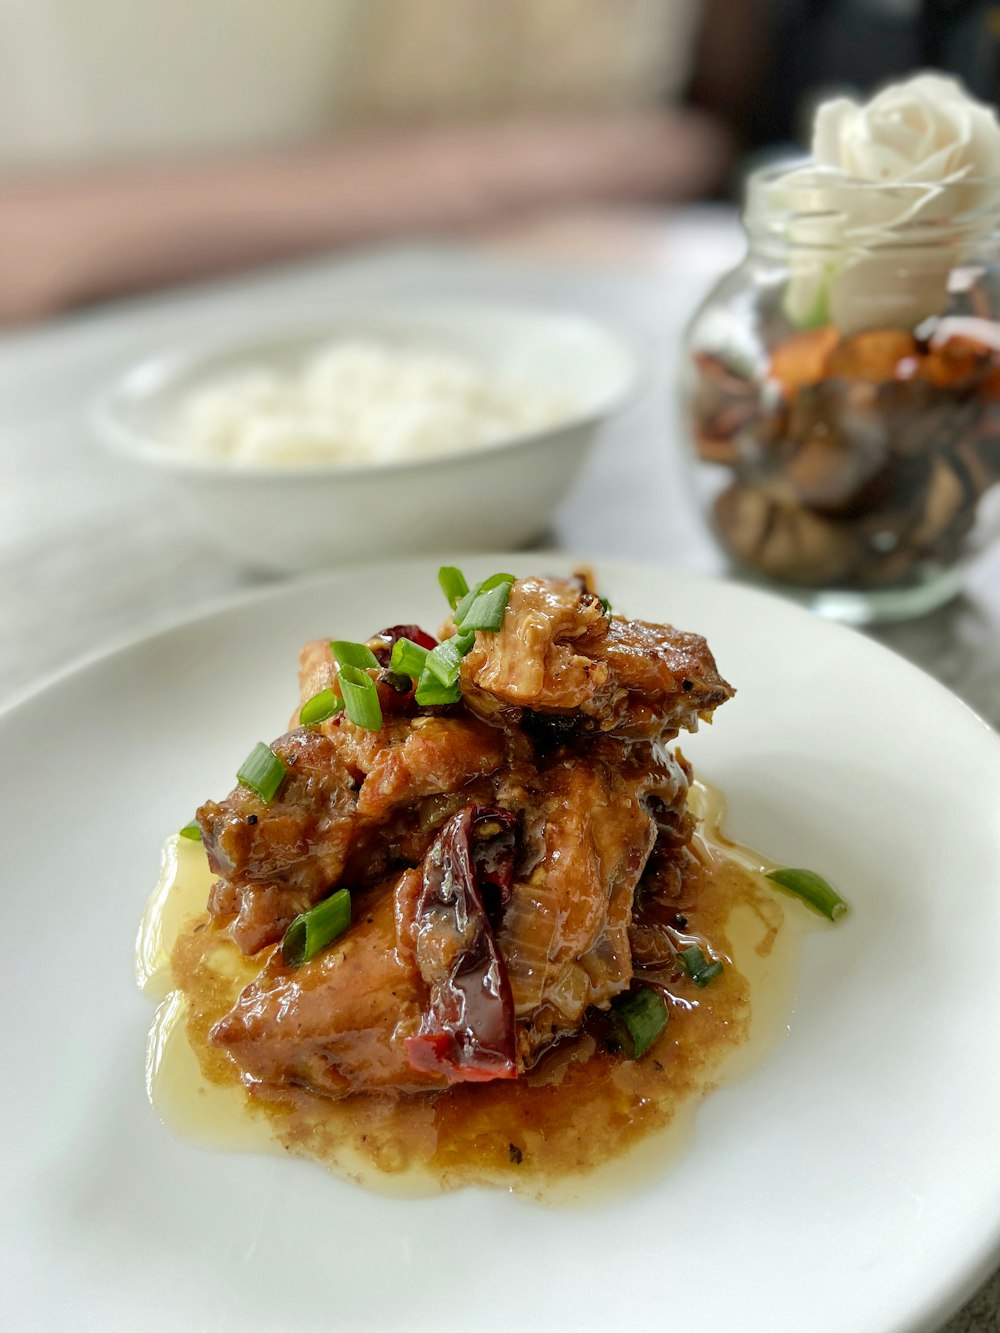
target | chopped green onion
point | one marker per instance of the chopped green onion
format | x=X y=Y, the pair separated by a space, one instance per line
x=693 y=959
x=465 y=605
x=697 y=966
x=430 y=692
x=315 y=929
x=353 y=654
x=606 y=604
x=408 y=658
x=360 y=697
x=319 y=708
x=637 y=1019
x=812 y=889
x=494 y=581
x=708 y=974
x=453 y=584
x=192 y=831
x=487 y=607
x=462 y=608
x=262 y=772
x=445 y=661
x=438 y=680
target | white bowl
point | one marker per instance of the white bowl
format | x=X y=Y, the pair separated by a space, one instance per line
x=289 y=517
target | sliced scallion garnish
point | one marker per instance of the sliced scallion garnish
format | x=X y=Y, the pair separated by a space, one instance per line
x=408 y=658
x=445 y=661
x=315 y=929
x=707 y=974
x=319 y=708
x=463 y=606
x=606 y=605
x=360 y=697
x=485 y=611
x=813 y=890
x=698 y=967
x=431 y=693
x=494 y=581
x=262 y=772
x=353 y=654
x=191 y=830
x=637 y=1019
x=453 y=584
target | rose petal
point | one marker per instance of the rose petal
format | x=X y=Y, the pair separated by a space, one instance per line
x=983 y=152
x=828 y=127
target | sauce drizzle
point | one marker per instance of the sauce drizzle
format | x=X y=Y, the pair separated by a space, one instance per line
x=581 y=1124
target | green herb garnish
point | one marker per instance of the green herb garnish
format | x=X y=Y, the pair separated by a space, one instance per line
x=261 y=772
x=445 y=661
x=812 y=889
x=320 y=707
x=637 y=1019
x=698 y=967
x=315 y=929
x=453 y=584
x=353 y=654
x=481 y=607
x=430 y=693
x=489 y=602
x=360 y=696
x=408 y=658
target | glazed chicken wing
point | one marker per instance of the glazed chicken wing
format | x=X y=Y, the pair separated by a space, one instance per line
x=559 y=652
x=492 y=843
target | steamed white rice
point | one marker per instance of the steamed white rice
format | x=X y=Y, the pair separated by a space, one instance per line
x=360 y=402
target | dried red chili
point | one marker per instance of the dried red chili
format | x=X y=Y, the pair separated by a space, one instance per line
x=467 y=1031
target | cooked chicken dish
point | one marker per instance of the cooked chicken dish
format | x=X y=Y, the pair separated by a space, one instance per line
x=464 y=851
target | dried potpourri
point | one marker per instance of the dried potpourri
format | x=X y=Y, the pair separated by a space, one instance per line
x=855 y=461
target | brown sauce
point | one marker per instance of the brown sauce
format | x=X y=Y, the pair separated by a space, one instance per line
x=569 y=1128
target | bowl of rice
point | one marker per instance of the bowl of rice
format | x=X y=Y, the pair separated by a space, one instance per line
x=386 y=432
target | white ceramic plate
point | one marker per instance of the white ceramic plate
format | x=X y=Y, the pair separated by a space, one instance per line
x=851 y=1183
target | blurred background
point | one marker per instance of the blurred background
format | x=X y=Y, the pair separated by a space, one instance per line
x=176 y=171
x=142 y=145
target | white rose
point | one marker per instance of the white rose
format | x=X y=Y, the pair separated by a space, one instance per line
x=927 y=131
x=918 y=152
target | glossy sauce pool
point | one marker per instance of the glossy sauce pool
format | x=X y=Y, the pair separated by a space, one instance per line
x=583 y=1122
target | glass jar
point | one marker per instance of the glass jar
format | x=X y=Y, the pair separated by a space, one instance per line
x=841 y=390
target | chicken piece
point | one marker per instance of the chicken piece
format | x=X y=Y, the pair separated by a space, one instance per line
x=564 y=936
x=408 y=757
x=317 y=671
x=338 y=1024
x=344 y=782
x=358 y=1017
x=554 y=763
x=415 y=757
x=276 y=859
x=558 y=652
